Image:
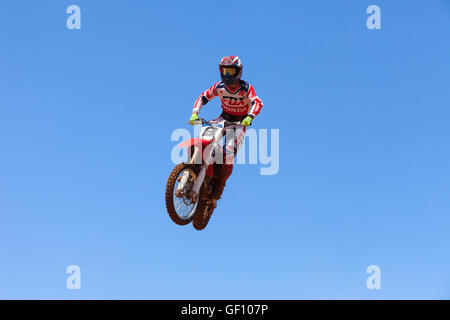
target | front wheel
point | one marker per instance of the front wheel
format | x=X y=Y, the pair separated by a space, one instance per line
x=179 y=203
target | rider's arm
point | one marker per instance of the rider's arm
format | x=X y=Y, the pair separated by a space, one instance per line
x=255 y=102
x=204 y=98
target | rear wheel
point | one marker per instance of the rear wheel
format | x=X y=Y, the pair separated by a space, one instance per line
x=181 y=207
x=203 y=215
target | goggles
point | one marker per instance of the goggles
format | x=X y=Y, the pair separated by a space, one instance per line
x=229 y=71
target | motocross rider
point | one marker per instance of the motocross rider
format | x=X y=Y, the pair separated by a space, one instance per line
x=239 y=103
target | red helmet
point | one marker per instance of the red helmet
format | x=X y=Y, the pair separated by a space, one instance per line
x=230 y=69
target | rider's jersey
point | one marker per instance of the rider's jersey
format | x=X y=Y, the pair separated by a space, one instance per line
x=241 y=102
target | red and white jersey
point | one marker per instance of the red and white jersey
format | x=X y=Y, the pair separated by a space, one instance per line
x=241 y=102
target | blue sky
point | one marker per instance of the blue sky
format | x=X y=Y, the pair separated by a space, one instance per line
x=85 y=123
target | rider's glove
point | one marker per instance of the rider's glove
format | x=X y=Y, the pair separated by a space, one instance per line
x=193 y=118
x=247 y=121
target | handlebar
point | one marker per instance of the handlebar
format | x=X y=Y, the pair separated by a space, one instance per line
x=226 y=122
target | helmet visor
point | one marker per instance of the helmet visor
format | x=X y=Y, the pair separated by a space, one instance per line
x=228 y=71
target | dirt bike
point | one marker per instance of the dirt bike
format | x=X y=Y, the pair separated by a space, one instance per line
x=189 y=186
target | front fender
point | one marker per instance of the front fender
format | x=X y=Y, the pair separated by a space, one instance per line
x=194 y=142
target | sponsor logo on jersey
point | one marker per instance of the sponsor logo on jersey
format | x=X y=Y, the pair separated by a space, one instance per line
x=230 y=109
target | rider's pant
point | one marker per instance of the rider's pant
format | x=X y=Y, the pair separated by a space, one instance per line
x=234 y=137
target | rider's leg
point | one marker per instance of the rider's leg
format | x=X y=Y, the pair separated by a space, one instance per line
x=224 y=174
x=234 y=139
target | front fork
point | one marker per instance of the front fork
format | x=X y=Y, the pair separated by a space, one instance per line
x=199 y=181
x=201 y=175
x=196 y=158
x=182 y=184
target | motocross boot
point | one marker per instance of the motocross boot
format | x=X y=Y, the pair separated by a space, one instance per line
x=224 y=174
